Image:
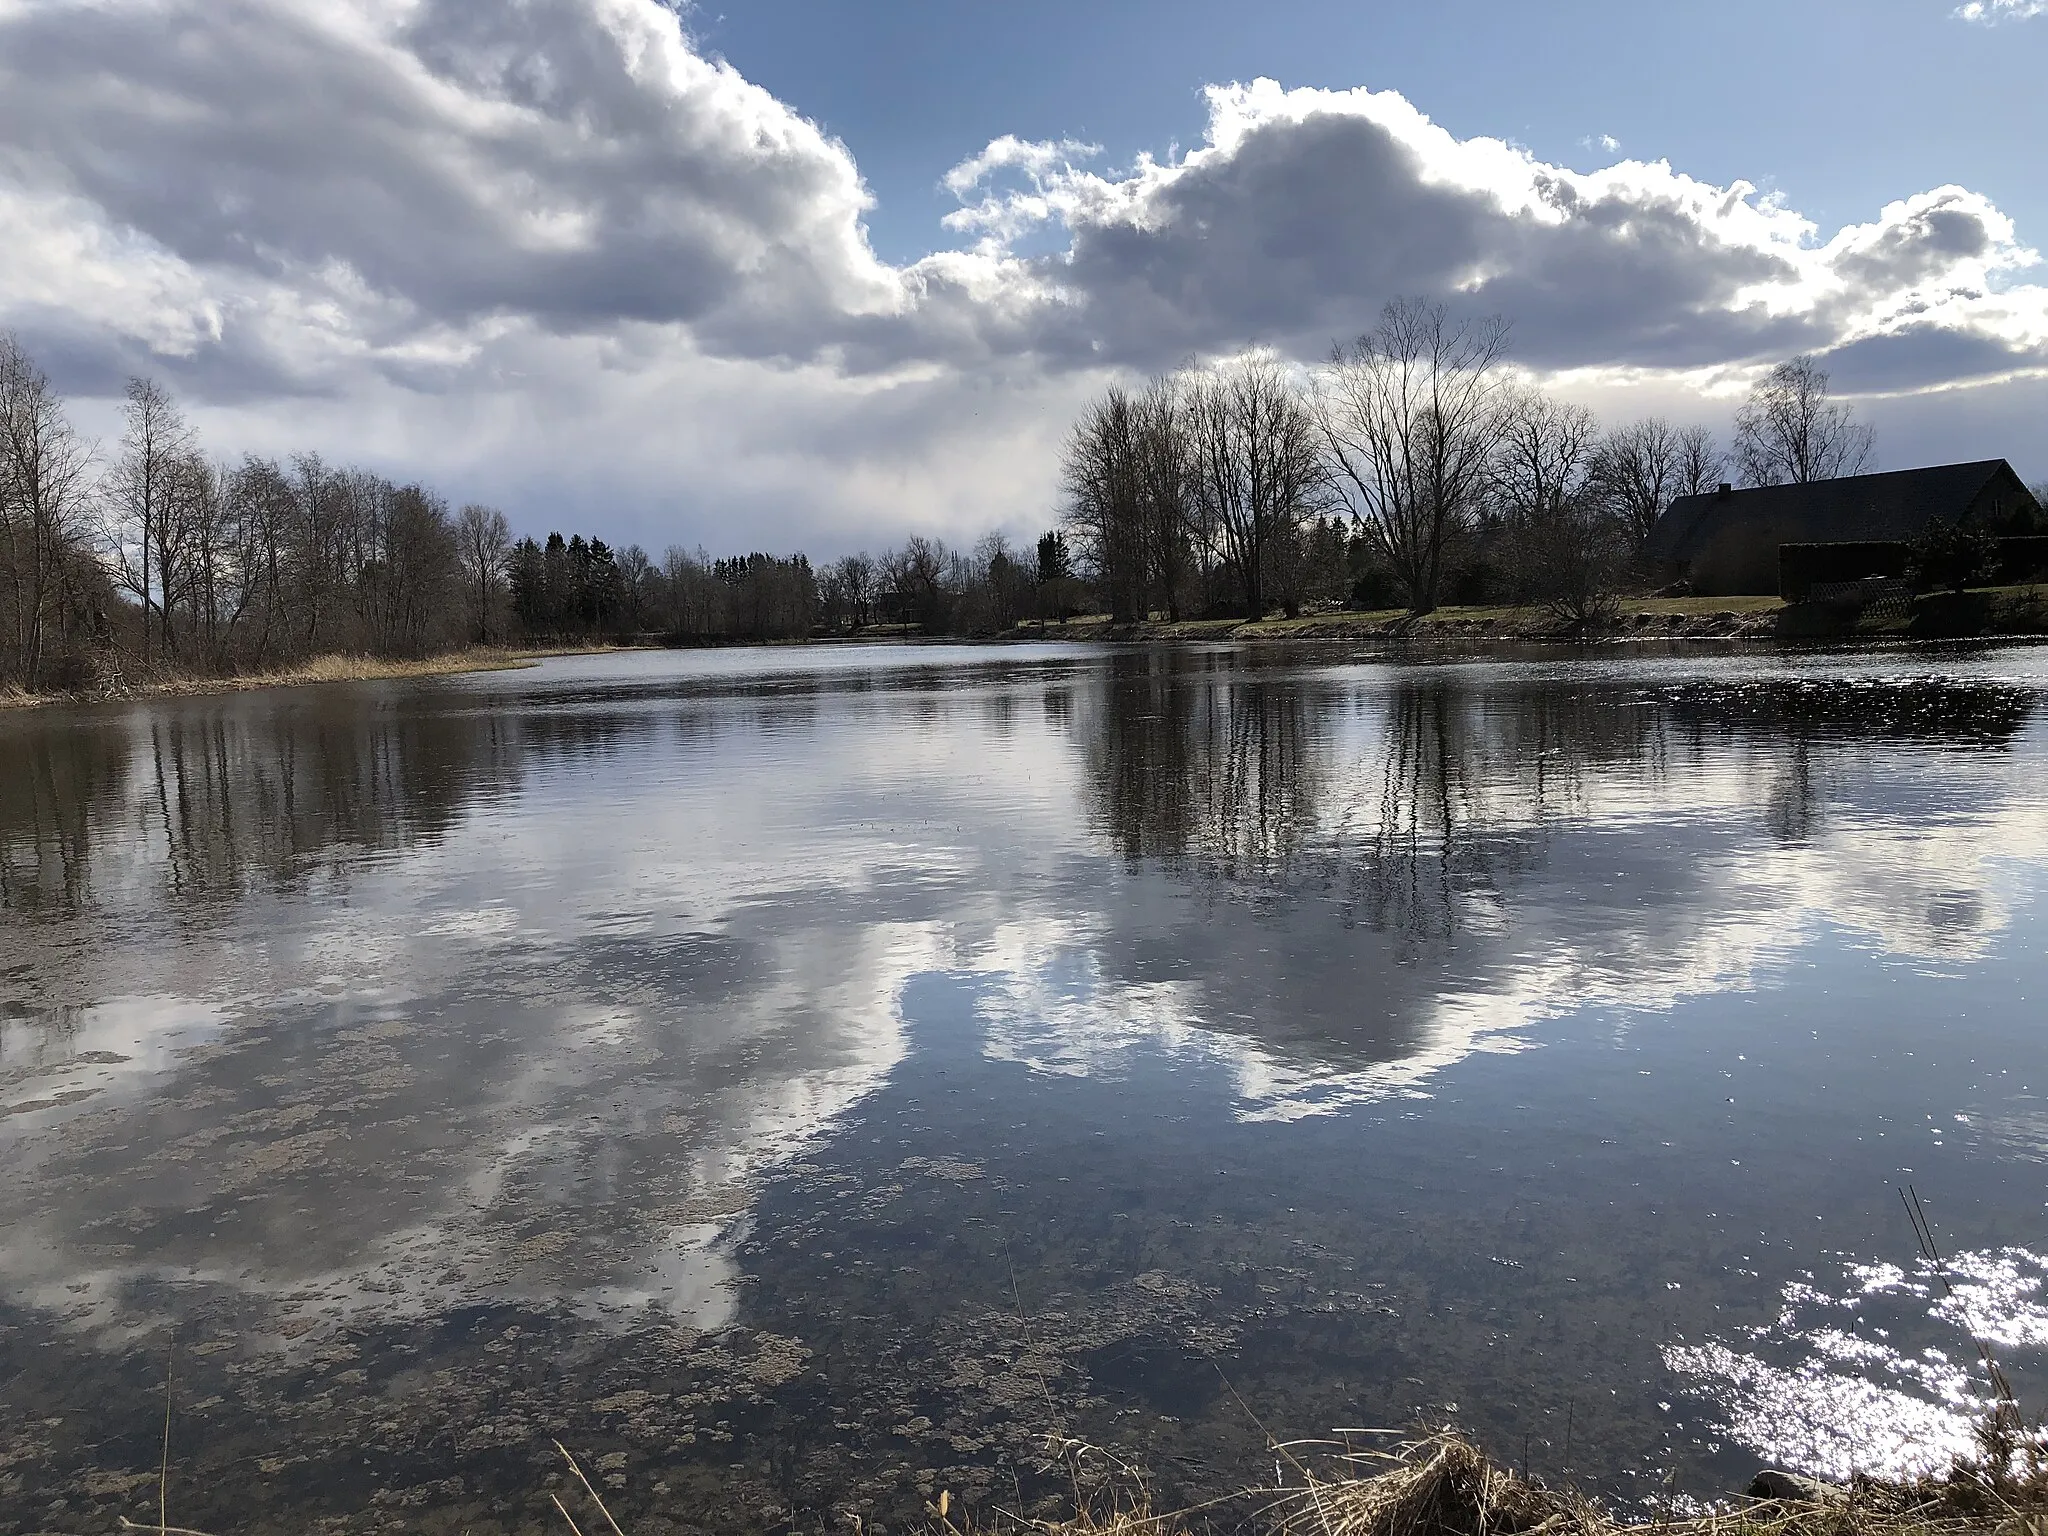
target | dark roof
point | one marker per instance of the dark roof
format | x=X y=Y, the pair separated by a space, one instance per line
x=1897 y=505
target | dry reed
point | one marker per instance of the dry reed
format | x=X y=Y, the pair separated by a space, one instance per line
x=338 y=667
x=1442 y=1484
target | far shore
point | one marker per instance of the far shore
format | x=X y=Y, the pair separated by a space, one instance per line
x=1989 y=614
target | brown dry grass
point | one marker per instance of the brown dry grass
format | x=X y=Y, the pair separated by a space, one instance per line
x=1442 y=1484
x=333 y=668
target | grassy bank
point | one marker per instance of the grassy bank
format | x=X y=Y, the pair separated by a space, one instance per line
x=1638 y=618
x=339 y=668
x=1991 y=612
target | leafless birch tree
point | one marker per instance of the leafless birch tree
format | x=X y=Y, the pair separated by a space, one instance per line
x=1565 y=548
x=1545 y=456
x=1172 y=525
x=1410 y=415
x=1101 y=474
x=1702 y=466
x=1640 y=470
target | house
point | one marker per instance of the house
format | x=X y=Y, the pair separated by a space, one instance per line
x=1726 y=541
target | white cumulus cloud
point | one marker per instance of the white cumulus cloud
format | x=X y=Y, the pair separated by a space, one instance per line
x=554 y=251
x=1991 y=12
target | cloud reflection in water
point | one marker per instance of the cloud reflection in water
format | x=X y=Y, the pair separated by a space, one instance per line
x=521 y=990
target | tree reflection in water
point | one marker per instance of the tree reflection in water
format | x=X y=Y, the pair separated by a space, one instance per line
x=1407 y=794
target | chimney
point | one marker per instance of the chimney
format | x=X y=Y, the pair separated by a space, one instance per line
x=1725 y=492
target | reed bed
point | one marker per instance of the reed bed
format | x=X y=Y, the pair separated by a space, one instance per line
x=1443 y=1484
x=338 y=667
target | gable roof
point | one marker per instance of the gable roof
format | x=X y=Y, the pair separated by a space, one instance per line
x=1896 y=505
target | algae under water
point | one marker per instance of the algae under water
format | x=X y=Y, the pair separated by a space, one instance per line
x=801 y=1080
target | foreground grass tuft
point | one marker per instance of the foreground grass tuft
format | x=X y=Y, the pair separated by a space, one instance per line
x=1442 y=1484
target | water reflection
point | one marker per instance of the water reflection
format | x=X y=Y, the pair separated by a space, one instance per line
x=1427 y=860
x=209 y=804
x=339 y=1011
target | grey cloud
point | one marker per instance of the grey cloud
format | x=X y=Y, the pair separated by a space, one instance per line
x=526 y=160
x=358 y=192
x=443 y=222
x=1926 y=241
x=1918 y=356
x=85 y=357
x=1311 y=225
x=1297 y=231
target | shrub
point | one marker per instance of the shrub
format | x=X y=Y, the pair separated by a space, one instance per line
x=1951 y=556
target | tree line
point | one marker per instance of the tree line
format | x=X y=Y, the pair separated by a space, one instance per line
x=1413 y=467
x=150 y=556
x=153 y=556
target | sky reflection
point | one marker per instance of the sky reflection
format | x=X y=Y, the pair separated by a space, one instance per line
x=359 y=1008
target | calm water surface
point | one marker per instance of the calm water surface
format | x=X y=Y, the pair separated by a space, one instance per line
x=804 y=1080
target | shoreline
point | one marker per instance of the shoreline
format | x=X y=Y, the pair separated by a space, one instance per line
x=1984 y=614
x=331 y=668
x=1990 y=615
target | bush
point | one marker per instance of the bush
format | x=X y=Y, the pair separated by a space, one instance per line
x=1950 y=556
x=1570 y=563
x=1374 y=590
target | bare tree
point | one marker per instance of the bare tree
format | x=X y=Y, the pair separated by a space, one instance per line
x=1171 y=527
x=148 y=528
x=916 y=573
x=1410 y=415
x=1001 y=583
x=1256 y=467
x=1791 y=433
x=45 y=486
x=212 y=587
x=319 y=531
x=637 y=577
x=1101 y=475
x=1638 y=472
x=857 y=571
x=1545 y=457
x=263 y=507
x=482 y=541
x=1702 y=466
x=846 y=592
x=1563 y=544
x=235 y=559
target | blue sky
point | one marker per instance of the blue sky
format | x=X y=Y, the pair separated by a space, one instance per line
x=810 y=273
x=1841 y=105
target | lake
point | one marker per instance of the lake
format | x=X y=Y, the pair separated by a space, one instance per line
x=805 y=1080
